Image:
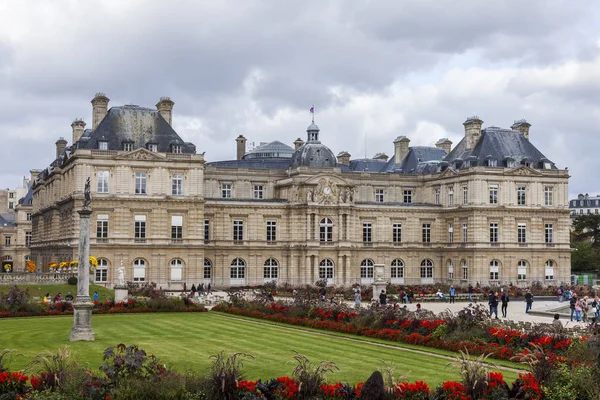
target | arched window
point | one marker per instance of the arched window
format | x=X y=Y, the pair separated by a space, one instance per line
x=549 y=270
x=139 y=270
x=450 y=266
x=427 y=269
x=465 y=269
x=176 y=269
x=326 y=269
x=326 y=230
x=102 y=270
x=270 y=269
x=366 y=268
x=397 y=270
x=238 y=269
x=494 y=270
x=207 y=268
x=522 y=270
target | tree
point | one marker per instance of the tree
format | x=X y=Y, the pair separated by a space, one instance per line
x=585 y=240
x=584 y=257
x=587 y=227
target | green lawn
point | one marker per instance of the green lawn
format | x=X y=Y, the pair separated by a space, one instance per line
x=38 y=291
x=186 y=341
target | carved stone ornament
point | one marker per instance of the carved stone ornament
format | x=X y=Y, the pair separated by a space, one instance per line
x=140 y=154
x=327 y=192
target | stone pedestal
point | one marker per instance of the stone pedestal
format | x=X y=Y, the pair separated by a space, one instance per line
x=82 y=306
x=121 y=293
x=378 y=286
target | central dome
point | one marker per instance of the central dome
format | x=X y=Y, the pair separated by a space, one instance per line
x=313 y=153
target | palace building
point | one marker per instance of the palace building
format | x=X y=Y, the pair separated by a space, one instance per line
x=493 y=210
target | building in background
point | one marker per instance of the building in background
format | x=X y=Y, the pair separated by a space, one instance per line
x=491 y=211
x=584 y=204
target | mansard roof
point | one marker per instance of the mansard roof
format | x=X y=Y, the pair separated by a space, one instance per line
x=418 y=160
x=138 y=125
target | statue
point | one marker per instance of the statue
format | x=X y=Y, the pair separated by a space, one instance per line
x=121 y=276
x=87 y=195
x=309 y=195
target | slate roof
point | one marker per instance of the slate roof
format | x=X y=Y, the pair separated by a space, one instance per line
x=271 y=150
x=418 y=160
x=501 y=145
x=135 y=124
x=367 y=165
x=254 y=163
x=7 y=219
x=28 y=198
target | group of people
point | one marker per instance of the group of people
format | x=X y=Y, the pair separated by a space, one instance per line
x=580 y=306
x=57 y=298
x=200 y=290
x=495 y=298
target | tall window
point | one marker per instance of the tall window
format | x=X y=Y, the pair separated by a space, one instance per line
x=397 y=233
x=7 y=240
x=520 y=195
x=102 y=145
x=493 y=194
x=450 y=233
x=494 y=270
x=326 y=269
x=464 y=232
x=366 y=268
x=28 y=238
x=139 y=270
x=492 y=163
x=437 y=196
x=153 y=147
x=238 y=230
x=493 y=232
x=465 y=191
x=548 y=233
x=101 y=274
x=238 y=269
x=102 y=226
x=102 y=178
x=140 y=183
x=450 y=266
x=521 y=233
x=226 y=190
x=176 y=226
x=549 y=270
x=548 y=195
x=28 y=216
x=271 y=231
x=176 y=148
x=326 y=230
x=379 y=195
x=465 y=269
x=139 y=227
x=127 y=146
x=207 y=229
x=451 y=197
x=270 y=269
x=397 y=268
x=207 y=268
x=176 y=270
x=367 y=232
x=426 y=233
x=258 y=191
x=177 y=184
x=427 y=268
x=522 y=270
x=408 y=196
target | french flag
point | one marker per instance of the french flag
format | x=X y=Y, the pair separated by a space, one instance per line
x=312 y=110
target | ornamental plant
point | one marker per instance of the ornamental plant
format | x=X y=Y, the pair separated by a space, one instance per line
x=7 y=267
x=31 y=267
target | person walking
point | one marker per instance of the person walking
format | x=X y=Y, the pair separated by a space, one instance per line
x=584 y=309
x=596 y=306
x=493 y=302
x=193 y=290
x=560 y=293
x=452 y=294
x=383 y=298
x=209 y=289
x=578 y=309
x=470 y=291
x=357 y=299
x=504 y=299
x=572 y=303
x=528 y=300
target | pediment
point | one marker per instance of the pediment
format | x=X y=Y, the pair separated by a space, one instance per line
x=315 y=180
x=523 y=171
x=141 y=154
x=448 y=173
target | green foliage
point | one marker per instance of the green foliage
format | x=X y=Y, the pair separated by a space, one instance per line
x=72 y=280
x=225 y=372
x=58 y=369
x=560 y=387
x=5 y=359
x=585 y=257
x=15 y=300
x=311 y=376
x=587 y=227
x=474 y=373
x=127 y=362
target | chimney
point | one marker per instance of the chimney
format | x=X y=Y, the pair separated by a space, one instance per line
x=343 y=158
x=299 y=142
x=445 y=144
x=381 y=156
x=61 y=145
x=34 y=173
x=99 y=108
x=522 y=126
x=241 y=146
x=400 y=148
x=472 y=131
x=165 y=108
x=78 y=127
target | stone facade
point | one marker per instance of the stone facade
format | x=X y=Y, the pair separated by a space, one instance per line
x=246 y=222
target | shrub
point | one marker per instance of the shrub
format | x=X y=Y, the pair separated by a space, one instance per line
x=15 y=300
x=55 y=370
x=72 y=280
x=225 y=372
x=311 y=376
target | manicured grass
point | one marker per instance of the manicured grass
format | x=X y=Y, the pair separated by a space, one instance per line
x=38 y=291
x=186 y=341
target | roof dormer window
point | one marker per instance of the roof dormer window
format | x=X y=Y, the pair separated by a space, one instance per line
x=176 y=148
x=102 y=145
x=153 y=147
x=128 y=146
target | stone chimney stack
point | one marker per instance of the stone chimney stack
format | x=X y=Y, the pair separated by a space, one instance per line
x=445 y=144
x=241 y=146
x=472 y=131
x=34 y=173
x=99 y=108
x=380 y=156
x=78 y=127
x=61 y=145
x=522 y=126
x=400 y=148
x=165 y=108
x=298 y=143
x=343 y=158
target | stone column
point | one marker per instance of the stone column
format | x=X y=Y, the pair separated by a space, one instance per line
x=82 y=306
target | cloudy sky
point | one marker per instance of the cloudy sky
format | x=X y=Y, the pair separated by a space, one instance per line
x=381 y=68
